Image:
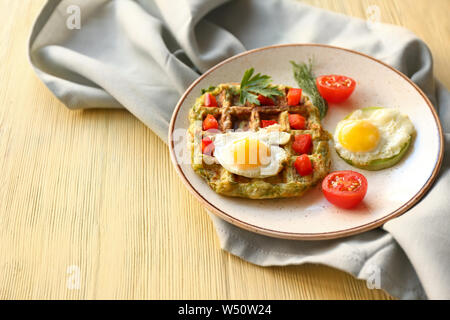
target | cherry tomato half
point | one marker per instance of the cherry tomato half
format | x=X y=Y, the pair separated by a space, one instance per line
x=335 y=88
x=345 y=189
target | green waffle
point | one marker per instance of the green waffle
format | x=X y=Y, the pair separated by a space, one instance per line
x=232 y=116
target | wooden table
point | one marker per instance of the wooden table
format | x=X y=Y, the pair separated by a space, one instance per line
x=91 y=208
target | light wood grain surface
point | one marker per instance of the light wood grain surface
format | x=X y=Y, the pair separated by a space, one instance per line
x=92 y=195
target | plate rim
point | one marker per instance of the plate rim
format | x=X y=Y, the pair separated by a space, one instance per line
x=297 y=235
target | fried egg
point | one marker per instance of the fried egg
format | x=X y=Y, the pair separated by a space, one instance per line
x=252 y=154
x=372 y=134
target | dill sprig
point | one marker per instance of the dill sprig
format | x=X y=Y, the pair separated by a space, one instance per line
x=252 y=85
x=305 y=80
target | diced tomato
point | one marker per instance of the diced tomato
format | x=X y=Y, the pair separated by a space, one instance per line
x=335 y=88
x=297 y=121
x=207 y=146
x=210 y=100
x=303 y=165
x=345 y=189
x=294 y=96
x=264 y=101
x=302 y=143
x=266 y=123
x=210 y=123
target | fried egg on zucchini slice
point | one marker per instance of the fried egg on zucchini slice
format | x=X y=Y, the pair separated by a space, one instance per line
x=373 y=138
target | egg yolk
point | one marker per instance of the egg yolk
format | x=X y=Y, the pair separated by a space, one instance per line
x=359 y=136
x=250 y=154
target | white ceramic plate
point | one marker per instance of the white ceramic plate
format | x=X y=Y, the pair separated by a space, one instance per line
x=391 y=191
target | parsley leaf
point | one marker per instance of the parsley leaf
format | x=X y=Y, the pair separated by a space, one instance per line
x=252 y=85
x=211 y=88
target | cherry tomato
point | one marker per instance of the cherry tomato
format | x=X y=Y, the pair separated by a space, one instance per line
x=303 y=165
x=210 y=100
x=297 y=121
x=345 y=189
x=207 y=146
x=294 y=96
x=302 y=143
x=210 y=123
x=264 y=101
x=266 y=123
x=335 y=88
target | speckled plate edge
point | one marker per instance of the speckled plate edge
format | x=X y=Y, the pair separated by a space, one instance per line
x=307 y=236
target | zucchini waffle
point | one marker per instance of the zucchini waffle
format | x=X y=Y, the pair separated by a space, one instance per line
x=230 y=115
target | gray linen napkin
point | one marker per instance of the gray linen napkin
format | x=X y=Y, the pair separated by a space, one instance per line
x=141 y=55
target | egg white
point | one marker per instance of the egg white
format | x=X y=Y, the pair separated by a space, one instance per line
x=272 y=138
x=395 y=130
